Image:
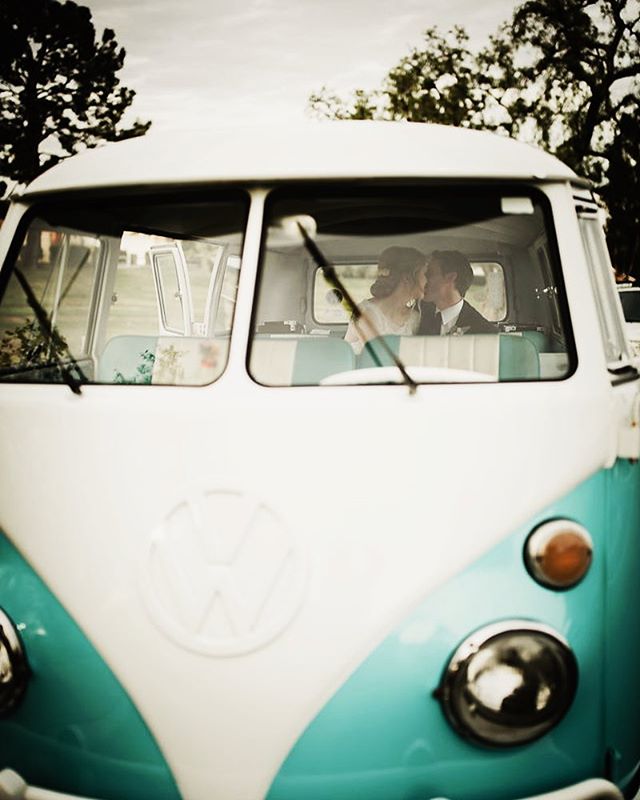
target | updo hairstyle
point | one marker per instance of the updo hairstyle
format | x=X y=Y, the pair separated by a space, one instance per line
x=393 y=265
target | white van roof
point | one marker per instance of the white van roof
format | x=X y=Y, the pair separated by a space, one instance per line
x=323 y=149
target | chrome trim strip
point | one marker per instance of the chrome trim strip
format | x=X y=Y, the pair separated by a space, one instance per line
x=592 y=789
x=13 y=787
x=14 y=669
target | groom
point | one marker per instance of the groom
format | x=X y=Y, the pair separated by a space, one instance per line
x=444 y=309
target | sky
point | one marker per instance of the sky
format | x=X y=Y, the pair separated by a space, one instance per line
x=198 y=63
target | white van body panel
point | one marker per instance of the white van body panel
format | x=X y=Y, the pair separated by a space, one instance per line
x=315 y=150
x=363 y=557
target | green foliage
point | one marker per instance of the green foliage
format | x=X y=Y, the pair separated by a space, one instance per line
x=58 y=86
x=166 y=365
x=143 y=373
x=438 y=82
x=26 y=346
x=562 y=74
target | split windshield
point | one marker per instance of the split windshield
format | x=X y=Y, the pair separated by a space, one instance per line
x=455 y=284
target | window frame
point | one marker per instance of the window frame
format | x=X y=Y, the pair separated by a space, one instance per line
x=608 y=305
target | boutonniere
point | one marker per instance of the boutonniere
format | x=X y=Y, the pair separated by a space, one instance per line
x=460 y=331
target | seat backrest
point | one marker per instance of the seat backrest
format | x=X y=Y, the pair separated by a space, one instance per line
x=477 y=353
x=298 y=360
x=518 y=358
x=168 y=360
x=539 y=339
x=501 y=356
x=127 y=359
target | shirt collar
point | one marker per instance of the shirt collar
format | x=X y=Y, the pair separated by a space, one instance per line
x=452 y=313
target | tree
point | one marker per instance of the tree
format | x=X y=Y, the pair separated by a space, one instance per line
x=562 y=74
x=59 y=92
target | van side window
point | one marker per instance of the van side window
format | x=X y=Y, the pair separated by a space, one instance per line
x=504 y=319
x=123 y=291
x=606 y=297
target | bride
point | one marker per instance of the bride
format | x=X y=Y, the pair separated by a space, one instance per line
x=393 y=307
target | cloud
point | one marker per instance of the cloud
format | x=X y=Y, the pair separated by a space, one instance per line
x=190 y=63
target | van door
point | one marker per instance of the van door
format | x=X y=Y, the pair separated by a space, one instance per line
x=622 y=644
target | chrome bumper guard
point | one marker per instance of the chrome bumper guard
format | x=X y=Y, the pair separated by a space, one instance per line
x=593 y=789
x=12 y=787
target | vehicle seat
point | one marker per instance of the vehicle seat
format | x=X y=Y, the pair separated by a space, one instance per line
x=502 y=356
x=127 y=359
x=298 y=360
x=168 y=360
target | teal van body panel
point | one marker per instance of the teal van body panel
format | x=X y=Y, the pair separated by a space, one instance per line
x=76 y=730
x=383 y=734
x=622 y=634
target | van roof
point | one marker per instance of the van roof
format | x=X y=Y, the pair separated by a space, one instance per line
x=322 y=149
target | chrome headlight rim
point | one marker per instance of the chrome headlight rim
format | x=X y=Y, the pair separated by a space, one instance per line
x=452 y=681
x=14 y=669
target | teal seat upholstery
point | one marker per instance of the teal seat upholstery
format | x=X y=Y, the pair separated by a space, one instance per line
x=317 y=358
x=374 y=354
x=518 y=358
x=127 y=359
x=538 y=339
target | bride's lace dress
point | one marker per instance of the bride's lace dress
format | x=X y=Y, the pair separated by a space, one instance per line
x=382 y=325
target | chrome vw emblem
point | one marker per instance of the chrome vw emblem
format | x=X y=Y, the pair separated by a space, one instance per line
x=223 y=575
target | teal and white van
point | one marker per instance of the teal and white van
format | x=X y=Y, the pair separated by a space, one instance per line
x=239 y=560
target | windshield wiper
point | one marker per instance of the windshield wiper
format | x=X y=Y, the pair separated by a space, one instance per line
x=53 y=338
x=329 y=272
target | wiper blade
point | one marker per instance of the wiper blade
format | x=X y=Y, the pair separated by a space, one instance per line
x=6 y=372
x=329 y=272
x=53 y=338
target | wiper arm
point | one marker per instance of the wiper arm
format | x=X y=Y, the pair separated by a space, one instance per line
x=53 y=338
x=329 y=272
x=6 y=372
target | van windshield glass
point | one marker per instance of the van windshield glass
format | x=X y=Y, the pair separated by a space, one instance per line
x=462 y=284
x=134 y=291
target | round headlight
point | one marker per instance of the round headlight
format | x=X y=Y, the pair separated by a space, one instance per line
x=509 y=683
x=14 y=672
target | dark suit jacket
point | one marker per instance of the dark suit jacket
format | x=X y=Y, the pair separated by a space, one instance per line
x=469 y=321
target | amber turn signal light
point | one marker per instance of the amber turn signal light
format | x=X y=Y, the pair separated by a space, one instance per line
x=558 y=553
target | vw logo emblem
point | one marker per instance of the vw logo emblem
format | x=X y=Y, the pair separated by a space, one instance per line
x=222 y=574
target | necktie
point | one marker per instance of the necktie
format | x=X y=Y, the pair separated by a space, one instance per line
x=437 y=324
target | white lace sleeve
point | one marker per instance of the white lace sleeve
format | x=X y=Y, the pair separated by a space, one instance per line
x=357 y=336
x=353 y=338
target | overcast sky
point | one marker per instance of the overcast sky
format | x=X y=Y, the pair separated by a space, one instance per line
x=199 y=62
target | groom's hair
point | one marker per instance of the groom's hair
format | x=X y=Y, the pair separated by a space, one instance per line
x=455 y=261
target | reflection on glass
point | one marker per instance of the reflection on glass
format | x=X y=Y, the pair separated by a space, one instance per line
x=91 y=271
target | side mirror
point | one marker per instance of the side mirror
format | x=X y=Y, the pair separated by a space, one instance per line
x=173 y=290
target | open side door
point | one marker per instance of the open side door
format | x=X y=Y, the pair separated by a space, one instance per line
x=173 y=290
x=618 y=351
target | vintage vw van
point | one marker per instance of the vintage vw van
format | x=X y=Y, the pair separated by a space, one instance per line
x=239 y=559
